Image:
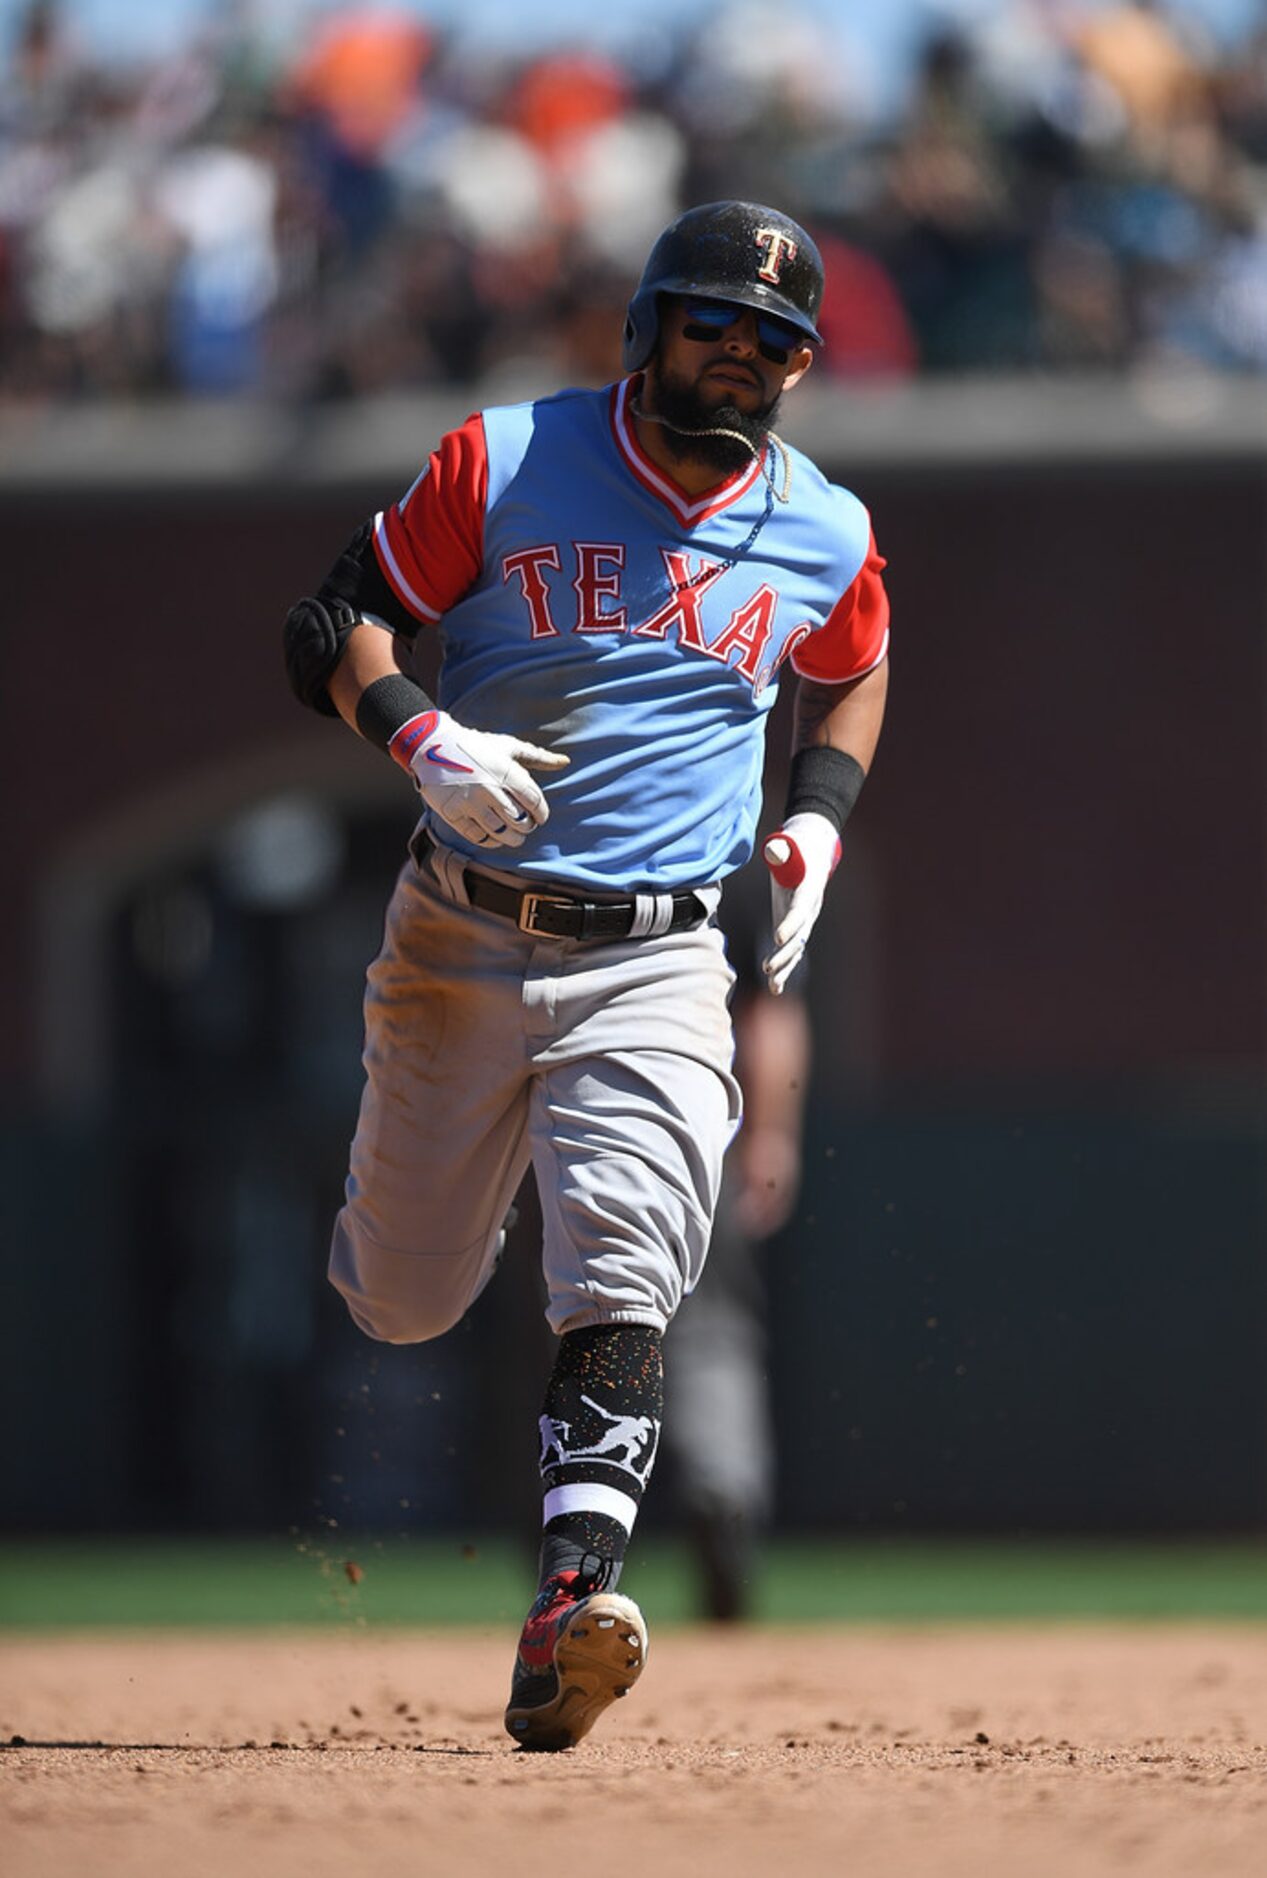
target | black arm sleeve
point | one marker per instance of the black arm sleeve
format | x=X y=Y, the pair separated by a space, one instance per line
x=357 y=579
x=317 y=628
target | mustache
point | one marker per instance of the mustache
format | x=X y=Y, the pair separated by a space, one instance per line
x=736 y=370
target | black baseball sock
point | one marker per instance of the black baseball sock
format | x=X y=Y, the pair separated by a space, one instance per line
x=600 y=1424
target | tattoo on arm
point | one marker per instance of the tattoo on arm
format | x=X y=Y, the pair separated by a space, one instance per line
x=814 y=705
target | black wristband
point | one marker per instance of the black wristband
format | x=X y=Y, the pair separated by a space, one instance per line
x=824 y=782
x=387 y=704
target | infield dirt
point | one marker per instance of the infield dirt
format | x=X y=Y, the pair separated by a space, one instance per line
x=958 y=1753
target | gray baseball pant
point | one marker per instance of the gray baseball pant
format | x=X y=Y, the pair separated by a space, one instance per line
x=608 y=1066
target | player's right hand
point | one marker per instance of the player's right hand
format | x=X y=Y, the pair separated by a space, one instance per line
x=477 y=781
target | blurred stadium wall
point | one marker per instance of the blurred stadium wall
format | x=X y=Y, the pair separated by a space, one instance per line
x=1026 y=1286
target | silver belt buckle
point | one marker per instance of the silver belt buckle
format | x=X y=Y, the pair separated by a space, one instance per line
x=528 y=910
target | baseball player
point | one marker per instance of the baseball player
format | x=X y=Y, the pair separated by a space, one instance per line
x=619 y=579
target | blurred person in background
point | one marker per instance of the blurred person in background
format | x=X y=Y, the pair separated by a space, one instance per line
x=718 y=1429
x=954 y=238
x=1034 y=186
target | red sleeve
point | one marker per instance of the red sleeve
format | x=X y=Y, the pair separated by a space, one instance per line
x=855 y=636
x=430 y=546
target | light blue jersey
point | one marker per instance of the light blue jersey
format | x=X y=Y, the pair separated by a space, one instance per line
x=588 y=604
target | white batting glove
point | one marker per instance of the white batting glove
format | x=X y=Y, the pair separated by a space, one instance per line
x=476 y=780
x=801 y=857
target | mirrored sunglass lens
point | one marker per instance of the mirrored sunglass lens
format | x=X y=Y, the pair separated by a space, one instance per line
x=772 y=332
x=713 y=316
x=705 y=314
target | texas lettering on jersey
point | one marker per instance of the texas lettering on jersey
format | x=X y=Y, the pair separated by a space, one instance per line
x=585 y=601
x=597 y=609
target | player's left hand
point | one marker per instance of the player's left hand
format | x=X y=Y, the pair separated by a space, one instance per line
x=801 y=857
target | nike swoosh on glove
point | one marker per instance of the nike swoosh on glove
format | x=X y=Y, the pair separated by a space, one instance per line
x=476 y=780
x=801 y=857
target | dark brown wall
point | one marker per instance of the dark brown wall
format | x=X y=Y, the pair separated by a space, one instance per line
x=1070 y=802
x=1066 y=822
x=144 y=637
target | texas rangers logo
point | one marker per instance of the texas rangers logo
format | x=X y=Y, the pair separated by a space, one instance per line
x=776 y=248
x=627 y=1442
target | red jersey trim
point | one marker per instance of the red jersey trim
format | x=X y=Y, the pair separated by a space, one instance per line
x=842 y=678
x=689 y=510
x=430 y=545
x=854 y=638
x=391 y=568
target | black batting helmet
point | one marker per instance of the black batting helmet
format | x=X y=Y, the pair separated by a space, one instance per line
x=736 y=251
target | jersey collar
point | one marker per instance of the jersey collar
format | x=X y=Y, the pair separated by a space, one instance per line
x=689 y=510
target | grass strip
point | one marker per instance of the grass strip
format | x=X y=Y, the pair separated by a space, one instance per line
x=205 y=1584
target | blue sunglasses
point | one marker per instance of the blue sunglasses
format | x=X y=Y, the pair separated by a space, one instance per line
x=706 y=319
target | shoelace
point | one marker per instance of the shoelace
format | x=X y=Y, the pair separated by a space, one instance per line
x=596 y=1578
x=594 y=1573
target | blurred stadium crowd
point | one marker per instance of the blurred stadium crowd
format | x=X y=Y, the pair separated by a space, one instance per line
x=372 y=204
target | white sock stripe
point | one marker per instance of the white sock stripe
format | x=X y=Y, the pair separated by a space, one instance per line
x=590 y=1496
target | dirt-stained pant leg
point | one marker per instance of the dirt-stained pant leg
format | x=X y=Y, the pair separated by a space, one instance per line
x=620 y=1055
x=440 y=1144
x=628 y=1150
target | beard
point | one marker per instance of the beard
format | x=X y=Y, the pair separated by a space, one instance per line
x=691 y=424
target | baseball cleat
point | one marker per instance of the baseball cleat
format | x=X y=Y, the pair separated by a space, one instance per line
x=580 y=1649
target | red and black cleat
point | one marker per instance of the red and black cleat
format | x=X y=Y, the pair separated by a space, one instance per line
x=581 y=1647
